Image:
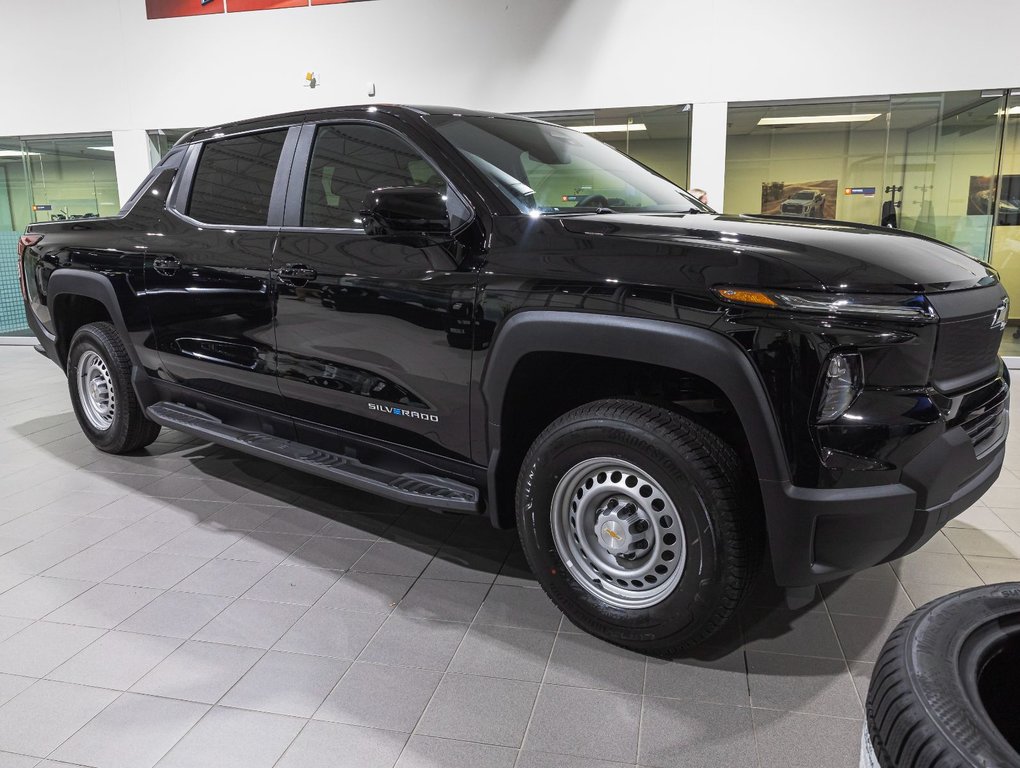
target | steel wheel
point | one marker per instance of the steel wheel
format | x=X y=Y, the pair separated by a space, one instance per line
x=618 y=533
x=95 y=391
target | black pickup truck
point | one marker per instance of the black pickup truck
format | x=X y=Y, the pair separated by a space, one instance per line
x=485 y=314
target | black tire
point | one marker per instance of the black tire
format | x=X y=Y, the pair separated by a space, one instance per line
x=707 y=487
x=130 y=430
x=943 y=692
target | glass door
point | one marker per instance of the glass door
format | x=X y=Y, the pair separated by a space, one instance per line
x=1006 y=229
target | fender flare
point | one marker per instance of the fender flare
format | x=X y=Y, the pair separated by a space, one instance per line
x=96 y=285
x=699 y=351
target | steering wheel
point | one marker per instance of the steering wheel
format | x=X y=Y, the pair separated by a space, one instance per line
x=593 y=201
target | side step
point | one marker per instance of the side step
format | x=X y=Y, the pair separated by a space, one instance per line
x=420 y=489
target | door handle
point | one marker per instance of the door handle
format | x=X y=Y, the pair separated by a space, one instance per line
x=166 y=265
x=296 y=273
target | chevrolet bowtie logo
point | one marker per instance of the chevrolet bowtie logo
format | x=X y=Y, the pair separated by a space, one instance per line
x=613 y=534
x=1001 y=316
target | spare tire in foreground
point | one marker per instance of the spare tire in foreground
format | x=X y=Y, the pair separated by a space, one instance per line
x=945 y=691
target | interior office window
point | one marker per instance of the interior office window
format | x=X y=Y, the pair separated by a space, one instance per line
x=234 y=179
x=348 y=162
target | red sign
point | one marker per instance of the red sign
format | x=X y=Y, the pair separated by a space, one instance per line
x=167 y=9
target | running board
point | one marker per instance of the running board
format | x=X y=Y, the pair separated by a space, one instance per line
x=423 y=490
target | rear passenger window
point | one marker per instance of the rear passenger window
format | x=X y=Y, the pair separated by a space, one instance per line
x=234 y=180
x=348 y=162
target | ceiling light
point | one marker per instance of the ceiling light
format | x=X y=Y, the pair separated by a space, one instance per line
x=621 y=128
x=805 y=119
x=15 y=153
x=104 y=149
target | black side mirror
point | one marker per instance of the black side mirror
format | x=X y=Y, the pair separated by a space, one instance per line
x=412 y=215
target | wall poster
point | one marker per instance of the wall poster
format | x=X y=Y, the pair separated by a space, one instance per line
x=982 y=195
x=808 y=199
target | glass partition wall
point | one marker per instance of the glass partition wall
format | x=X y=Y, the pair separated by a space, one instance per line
x=46 y=178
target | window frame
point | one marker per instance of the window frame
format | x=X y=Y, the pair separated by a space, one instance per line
x=301 y=164
x=180 y=194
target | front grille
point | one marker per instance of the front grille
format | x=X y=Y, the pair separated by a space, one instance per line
x=967 y=346
x=985 y=425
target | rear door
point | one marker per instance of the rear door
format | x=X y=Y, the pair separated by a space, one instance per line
x=366 y=341
x=207 y=278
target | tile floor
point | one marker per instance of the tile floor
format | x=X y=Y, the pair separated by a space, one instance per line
x=194 y=607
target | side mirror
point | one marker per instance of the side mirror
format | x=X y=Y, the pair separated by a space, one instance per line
x=412 y=215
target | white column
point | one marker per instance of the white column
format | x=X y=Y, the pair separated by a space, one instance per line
x=708 y=150
x=133 y=154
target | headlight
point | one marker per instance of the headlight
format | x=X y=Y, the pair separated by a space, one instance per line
x=842 y=382
x=915 y=308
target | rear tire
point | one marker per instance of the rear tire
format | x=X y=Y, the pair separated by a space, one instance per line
x=638 y=523
x=99 y=380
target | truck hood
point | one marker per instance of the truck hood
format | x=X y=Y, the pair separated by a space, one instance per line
x=840 y=256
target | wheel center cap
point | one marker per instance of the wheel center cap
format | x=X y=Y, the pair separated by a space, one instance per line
x=621 y=528
x=613 y=537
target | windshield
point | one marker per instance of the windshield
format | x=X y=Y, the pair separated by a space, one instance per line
x=803 y=196
x=544 y=168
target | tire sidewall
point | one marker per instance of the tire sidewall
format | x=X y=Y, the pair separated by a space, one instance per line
x=86 y=339
x=695 y=596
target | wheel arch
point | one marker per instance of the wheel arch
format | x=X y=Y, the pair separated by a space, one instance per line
x=681 y=349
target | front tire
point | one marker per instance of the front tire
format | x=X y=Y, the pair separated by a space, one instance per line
x=99 y=380
x=635 y=521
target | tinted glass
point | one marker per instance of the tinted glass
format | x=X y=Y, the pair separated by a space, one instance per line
x=234 y=180
x=348 y=162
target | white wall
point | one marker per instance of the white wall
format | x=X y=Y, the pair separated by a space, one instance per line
x=72 y=66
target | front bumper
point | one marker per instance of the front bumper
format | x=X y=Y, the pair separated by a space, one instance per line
x=817 y=535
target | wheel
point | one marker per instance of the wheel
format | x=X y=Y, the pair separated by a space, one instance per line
x=99 y=378
x=633 y=520
x=943 y=692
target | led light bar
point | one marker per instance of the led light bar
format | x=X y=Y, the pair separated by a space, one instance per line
x=618 y=128
x=808 y=119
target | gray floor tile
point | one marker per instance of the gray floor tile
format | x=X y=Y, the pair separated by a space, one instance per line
x=563 y=719
x=719 y=679
x=12 y=685
x=421 y=643
x=803 y=684
x=861 y=671
x=133 y=732
x=920 y=594
x=862 y=637
x=251 y=623
x=41 y=647
x=464 y=564
x=186 y=511
x=356 y=525
x=379 y=696
x=105 y=606
x=39 y=596
x=10 y=760
x=695 y=735
x=994 y=570
x=130 y=508
x=239 y=517
x=326 y=552
x=144 y=536
x=430 y=752
x=156 y=570
x=226 y=578
x=867 y=598
x=200 y=672
x=936 y=568
x=37 y=556
x=42 y=717
x=175 y=614
x=794 y=740
x=325 y=632
x=394 y=559
x=11 y=626
x=234 y=738
x=368 y=592
x=293 y=584
x=587 y=662
x=783 y=631
x=116 y=660
x=518 y=607
x=481 y=709
x=508 y=652
x=445 y=600
x=295 y=521
x=264 y=547
x=201 y=542
x=529 y=759
x=334 y=745
x=286 y=684
x=93 y=564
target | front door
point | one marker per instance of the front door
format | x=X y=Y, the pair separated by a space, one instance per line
x=207 y=275
x=365 y=342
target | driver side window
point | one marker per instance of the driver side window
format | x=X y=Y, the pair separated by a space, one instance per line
x=349 y=161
